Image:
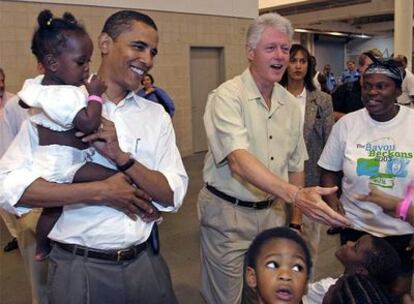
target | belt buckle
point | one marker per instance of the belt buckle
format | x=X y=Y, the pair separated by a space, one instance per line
x=120 y=253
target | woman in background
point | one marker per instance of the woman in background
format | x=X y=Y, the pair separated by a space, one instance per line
x=156 y=94
x=317 y=111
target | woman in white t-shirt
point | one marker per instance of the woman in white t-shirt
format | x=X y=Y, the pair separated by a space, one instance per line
x=372 y=147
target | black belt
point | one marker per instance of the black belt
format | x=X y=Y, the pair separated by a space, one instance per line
x=235 y=201
x=111 y=255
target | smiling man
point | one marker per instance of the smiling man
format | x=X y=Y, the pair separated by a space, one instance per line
x=103 y=252
x=256 y=148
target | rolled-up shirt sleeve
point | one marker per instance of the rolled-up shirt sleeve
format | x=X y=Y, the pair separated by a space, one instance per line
x=16 y=172
x=170 y=164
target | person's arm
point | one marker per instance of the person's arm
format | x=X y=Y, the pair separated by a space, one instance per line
x=155 y=183
x=115 y=191
x=331 y=179
x=386 y=201
x=91 y=172
x=297 y=179
x=308 y=200
x=21 y=187
x=164 y=98
x=88 y=119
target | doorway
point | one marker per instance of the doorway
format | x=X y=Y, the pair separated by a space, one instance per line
x=206 y=74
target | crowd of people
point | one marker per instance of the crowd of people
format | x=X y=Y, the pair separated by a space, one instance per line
x=280 y=147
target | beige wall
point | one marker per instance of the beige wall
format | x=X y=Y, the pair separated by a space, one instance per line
x=178 y=32
x=233 y=8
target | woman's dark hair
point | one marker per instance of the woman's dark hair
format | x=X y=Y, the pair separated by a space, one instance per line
x=122 y=20
x=310 y=73
x=359 y=289
x=50 y=36
x=150 y=77
x=276 y=233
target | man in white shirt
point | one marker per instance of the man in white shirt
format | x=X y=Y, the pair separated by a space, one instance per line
x=256 y=157
x=22 y=228
x=101 y=246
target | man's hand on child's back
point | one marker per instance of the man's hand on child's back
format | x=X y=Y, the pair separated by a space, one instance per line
x=95 y=85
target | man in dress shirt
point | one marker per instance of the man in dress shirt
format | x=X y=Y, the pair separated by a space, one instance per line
x=101 y=245
x=256 y=154
x=21 y=228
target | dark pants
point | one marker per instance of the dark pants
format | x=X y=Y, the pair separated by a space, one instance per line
x=76 y=279
x=398 y=242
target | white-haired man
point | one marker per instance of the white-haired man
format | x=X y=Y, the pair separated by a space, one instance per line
x=256 y=154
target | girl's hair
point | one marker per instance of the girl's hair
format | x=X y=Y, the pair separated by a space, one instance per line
x=276 y=233
x=310 y=73
x=150 y=77
x=359 y=289
x=50 y=35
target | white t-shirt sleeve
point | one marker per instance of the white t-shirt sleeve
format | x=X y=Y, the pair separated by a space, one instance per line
x=332 y=156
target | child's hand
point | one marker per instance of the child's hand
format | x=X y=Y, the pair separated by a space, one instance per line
x=95 y=85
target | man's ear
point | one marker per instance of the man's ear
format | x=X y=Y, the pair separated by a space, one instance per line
x=51 y=62
x=251 y=279
x=250 y=53
x=104 y=43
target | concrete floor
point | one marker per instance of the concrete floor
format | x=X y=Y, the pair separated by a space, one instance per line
x=179 y=245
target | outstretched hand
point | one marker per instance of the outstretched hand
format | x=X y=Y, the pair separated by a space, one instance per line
x=309 y=200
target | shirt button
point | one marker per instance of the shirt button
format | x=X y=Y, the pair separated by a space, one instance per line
x=270 y=137
x=270 y=117
x=272 y=158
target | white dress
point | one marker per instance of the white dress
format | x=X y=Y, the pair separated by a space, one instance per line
x=55 y=107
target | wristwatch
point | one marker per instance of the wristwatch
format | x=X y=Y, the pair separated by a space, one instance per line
x=130 y=162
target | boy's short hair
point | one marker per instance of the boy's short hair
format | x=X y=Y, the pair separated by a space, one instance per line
x=276 y=233
x=382 y=262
